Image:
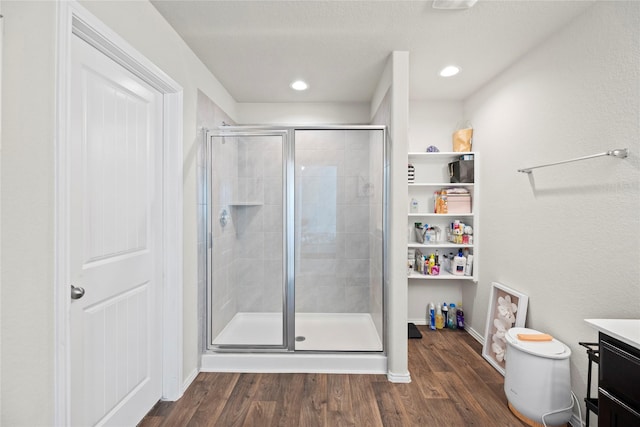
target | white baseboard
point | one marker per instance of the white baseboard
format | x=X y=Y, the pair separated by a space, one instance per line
x=478 y=337
x=399 y=378
x=418 y=321
x=190 y=379
x=575 y=421
x=291 y=362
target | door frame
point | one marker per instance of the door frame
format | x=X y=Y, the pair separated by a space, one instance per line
x=74 y=20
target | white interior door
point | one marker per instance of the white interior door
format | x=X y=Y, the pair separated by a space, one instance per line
x=115 y=241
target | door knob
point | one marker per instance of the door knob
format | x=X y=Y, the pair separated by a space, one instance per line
x=76 y=292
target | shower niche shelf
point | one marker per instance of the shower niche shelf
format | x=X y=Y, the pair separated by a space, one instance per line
x=431 y=174
x=240 y=204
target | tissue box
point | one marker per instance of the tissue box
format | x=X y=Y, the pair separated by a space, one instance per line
x=459 y=203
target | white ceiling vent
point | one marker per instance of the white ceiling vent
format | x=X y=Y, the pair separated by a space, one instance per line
x=453 y=4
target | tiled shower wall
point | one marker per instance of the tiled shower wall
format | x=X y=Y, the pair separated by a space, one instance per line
x=259 y=216
x=335 y=251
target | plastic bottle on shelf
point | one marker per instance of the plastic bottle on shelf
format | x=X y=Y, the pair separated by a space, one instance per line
x=460 y=317
x=468 y=269
x=450 y=269
x=452 y=317
x=445 y=314
x=459 y=263
x=414 y=205
x=439 y=318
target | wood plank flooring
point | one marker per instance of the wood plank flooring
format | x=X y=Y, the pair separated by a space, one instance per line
x=452 y=385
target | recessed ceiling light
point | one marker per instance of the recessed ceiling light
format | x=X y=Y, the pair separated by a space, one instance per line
x=299 y=85
x=449 y=70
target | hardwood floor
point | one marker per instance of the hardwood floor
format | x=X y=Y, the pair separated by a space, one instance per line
x=452 y=385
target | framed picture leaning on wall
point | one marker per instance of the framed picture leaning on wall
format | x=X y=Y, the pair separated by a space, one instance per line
x=507 y=308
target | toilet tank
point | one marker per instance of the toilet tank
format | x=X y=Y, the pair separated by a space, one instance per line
x=537 y=379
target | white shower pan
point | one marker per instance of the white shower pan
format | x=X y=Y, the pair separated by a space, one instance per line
x=331 y=344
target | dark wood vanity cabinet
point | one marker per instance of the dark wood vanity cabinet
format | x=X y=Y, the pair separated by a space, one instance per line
x=618 y=384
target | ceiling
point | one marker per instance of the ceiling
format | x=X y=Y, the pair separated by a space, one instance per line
x=257 y=48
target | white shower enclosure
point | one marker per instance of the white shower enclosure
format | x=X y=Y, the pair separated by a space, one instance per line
x=295 y=226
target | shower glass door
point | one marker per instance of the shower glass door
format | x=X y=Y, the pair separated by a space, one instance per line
x=245 y=188
x=339 y=177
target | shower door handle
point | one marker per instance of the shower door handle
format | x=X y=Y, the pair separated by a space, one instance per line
x=76 y=292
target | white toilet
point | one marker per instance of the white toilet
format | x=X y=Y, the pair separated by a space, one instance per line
x=537 y=379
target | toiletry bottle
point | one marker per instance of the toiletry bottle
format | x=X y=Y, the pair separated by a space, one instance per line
x=432 y=317
x=468 y=269
x=459 y=263
x=432 y=262
x=460 y=317
x=450 y=269
x=452 y=317
x=414 y=205
x=437 y=257
x=439 y=318
x=445 y=314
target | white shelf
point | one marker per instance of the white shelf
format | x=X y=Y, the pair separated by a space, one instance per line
x=438 y=245
x=437 y=215
x=442 y=276
x=440 y=184
x=425 y=155
x=255 y=203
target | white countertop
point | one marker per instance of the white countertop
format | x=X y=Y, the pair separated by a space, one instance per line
x=625 y=330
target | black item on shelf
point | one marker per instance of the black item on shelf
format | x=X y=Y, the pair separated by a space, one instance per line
x=461 y=171
x=593 y=353
x=414 y=332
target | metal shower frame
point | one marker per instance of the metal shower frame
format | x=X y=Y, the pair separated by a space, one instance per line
x=288 y=290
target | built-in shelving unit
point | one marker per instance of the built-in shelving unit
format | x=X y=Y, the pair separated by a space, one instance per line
x=431 y=175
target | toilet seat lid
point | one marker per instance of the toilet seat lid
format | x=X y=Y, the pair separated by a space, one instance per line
x=553 y=349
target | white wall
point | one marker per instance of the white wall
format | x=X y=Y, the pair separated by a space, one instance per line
x=390 y=106
x=569 y=237
x=27 y=196
x=28 y=113
x=433 y=123
x=303 y=113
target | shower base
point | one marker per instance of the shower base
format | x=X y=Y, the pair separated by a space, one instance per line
x=336 y=333
x=321 y=331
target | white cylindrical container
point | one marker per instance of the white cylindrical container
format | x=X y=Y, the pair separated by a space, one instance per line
x=537 y=378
